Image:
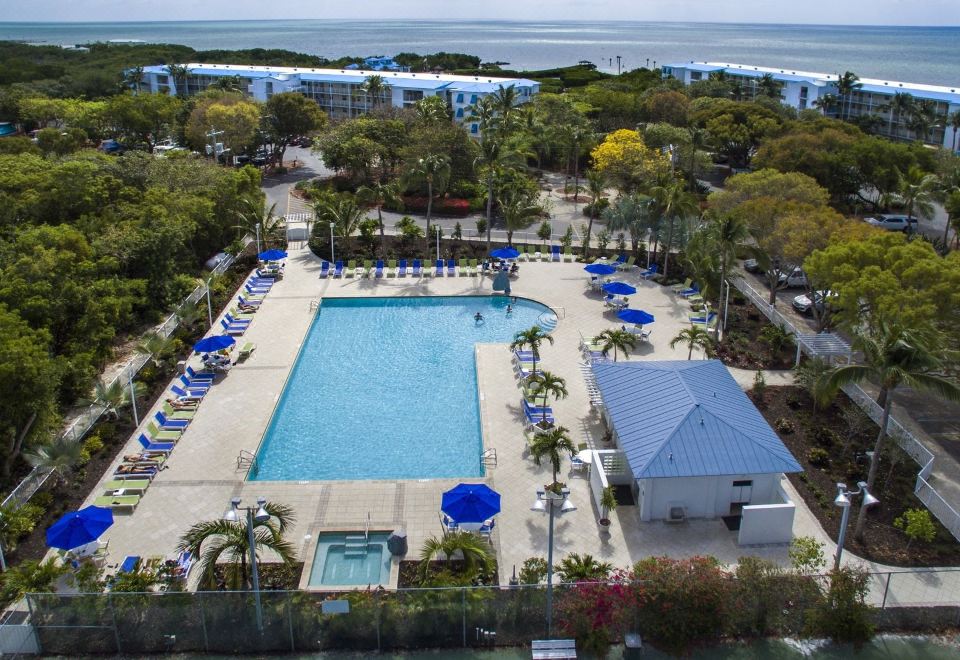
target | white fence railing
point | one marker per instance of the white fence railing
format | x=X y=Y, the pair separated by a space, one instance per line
x=82 y=424
x=939 y=507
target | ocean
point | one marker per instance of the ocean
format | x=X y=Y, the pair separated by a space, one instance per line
x=910 y=54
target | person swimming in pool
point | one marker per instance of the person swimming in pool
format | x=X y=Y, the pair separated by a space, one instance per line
x=509 y=310
x=478 y=317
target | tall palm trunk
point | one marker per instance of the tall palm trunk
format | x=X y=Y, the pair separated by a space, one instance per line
x=666 y=251
x=586 y=241
x=489 y=210
x=429 y=208
x=576 y=176
x=380 y=220
x=874 y=462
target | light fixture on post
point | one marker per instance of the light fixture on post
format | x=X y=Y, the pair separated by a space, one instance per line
x=332 y=259
x=844 y=500
x=258 y=514
x=550 y=501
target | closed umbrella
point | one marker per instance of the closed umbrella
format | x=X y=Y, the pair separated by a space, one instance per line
x=272 y=255
x=635 y=316
x=79 y=528
x=470 y=503
x=502 y=282
x=619 y=288
x=505 y=253
x=214 y=344
x=600 y=269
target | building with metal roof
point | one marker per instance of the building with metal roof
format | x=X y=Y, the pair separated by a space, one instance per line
x=807 y=89
x=693 y=441
x=340 y=92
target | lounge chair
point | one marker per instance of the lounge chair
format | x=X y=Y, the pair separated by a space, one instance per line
x=438 y=268
x=523 y=356
x=195 y=384
x=126 y=471
x=472 y=266
x=233 y=329
x=402 y=268
x=530 y=253
x=232 y=320
x=622 y=259
x=392 y=268
x=537 y=256
x=246 y=350
x=650 y=273
x=451 y=268
x=130 y=564
x=324 y=270
x=188 y=395
x=155 y=446
x=338 y=269
x=628 y=264
x=131 y=486
x=677 y=288
x=154 y=433
x=254 y=292
x=486 y=529
x=378 y=271
x=200 y=375
x=250 y=301
x=113 y=501
x=535 y=416
x=464 y=268
x=236 y=315
x=351 y=268
x=567 y=255
x=172 y=413
x=366 y=269
x=169 y=424
x=554 y=253
x=524 y=373
x=533 y=408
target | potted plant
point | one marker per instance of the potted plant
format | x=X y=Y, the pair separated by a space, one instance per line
x=558 y=488
x=608 y=502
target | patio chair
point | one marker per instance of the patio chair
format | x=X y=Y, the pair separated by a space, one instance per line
x=378 y=271
x=448 y=523
x=188 y=395
x=155 y=446
x=438 y=268
x=392 y=268
x=250 y=301
x=169 y=424
x=402 y=268
x=130 y=564
x=172 y=413
x=554 y=253
x=130 y=486
x=417 y=268
x=677 y=288
x=324 y=270
x=463 y=267
x=199 y=385
x=199 y=375
x=246 y=351
x=113 y=501
x=651 y=272
x=351 y=268
x=532 y=253
x=365 y=269
x=567 y=255
x=338 y=269
x=628 y=264
x=473 y=267
x=451 y=268
x=486 y=529
x=154 y=433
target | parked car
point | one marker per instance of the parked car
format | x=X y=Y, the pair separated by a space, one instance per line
x=794 y=279
x=305 y=141
x=804 y=305
x=752 y=266
x=891 y=222
x=111 y=147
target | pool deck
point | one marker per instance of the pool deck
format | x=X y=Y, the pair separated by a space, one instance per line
x=202 y=473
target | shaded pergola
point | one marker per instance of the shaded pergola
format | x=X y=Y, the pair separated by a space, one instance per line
x=825 y=345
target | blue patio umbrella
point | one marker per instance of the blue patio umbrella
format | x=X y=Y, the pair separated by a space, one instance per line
x=272 y=255
x=502 y=282
x=214 y=344
x=635 y=316
x=600 y=269
x=619 y=288
x=470 y=503
x=79 y=528
x=505 y=253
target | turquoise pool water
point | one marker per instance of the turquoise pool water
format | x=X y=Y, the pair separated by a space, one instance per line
x=386 y=388
x=349 y=559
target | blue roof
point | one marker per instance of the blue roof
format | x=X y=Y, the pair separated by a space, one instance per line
x=688 y=419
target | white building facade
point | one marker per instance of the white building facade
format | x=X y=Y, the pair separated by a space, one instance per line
x=805 y=89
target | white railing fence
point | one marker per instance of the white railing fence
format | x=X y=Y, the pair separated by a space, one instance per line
x=939 y=507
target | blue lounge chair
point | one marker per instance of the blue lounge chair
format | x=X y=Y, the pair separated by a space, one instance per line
x=651 y=272
x=129 y=565
x=534 y=409
x=417 y=268
x=149 y=445
x=451 y=268
x=188 y=395
x=523 y=356
x=524 y=373
x=324 y=270
x=692 y=291
x=229 y=318
x=338 y=269
x=620 y=260
x=255 y=292
x=378 y=271
x=402 y=268
x=438 y=268
x=195 y=384
x=250 y=302
x=170 y=424
x=229 y=329
x=200 y=375
x=554 y=253
x=537 y=418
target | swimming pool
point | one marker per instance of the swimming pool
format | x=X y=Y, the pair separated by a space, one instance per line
x=351 y=559
x=386 y=388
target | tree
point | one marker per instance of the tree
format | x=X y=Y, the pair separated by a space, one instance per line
x=519 y=208
x=146 y=118
x=238 y=118
x=343 y=212
x=432 y=110
x=504 y=102
x=547 y=384
x=847 y=84
x=60 y=455
x=469 y=549
x=826 y=103
x=494 y=156
x=582 y=568
x=133 y=78
x=674 y=204
x=157 y=347
x=918 y=189
x=37 y=577
x=227 y=542
x=617 y=340
x=533 y=337
x=434 y=172
x=917 y=525
x=291 y=114
x=894 y=355
x=736 y=129
x=264 y=223
x=630 y=213
x=115 y=396
x=694 y=337
x=924 y=118
x=374 y=87
x=668 y=106
x=626 y=161
x=178 y=76
x=552 y=446
x=806 y=555
x=900 y=106
x=726 y=235
x=954 y=120
x=769 y=86
x=596 y=186
x=377 y=195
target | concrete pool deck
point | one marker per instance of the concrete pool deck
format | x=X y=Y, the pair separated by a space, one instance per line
x=201 y=475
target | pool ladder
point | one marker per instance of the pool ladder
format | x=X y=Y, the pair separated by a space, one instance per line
x=246 y=459
x=356 y=545
x=488 y=459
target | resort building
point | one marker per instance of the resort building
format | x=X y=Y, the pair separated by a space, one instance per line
x=339 y=92
x=692 y=445
x=869 y=98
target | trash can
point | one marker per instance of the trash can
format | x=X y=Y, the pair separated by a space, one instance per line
x=397 y=543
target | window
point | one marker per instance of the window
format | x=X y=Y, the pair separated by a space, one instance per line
x=412 y=96
x=473 y=99
x=459 y=98
x=696 y=75
x=459 y=113
x=743 y=483
x=474 y=129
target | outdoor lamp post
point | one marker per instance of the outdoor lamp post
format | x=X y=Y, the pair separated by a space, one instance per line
x=209 y=304
x=332 y=260
x=254 y=514
x=549 y=501
x=437 y=229
x=843 y=500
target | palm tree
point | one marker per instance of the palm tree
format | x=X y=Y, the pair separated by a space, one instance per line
x=694 y=337
x=156 y=346
x=918 y=189
x=134 y=78
x=582 y=568
x=630 y=214
x=115 y=396
x=178 y=75
x=617 y=340
x=899 y=106
x=924 y=118
x=954 y=121
x=61 y=455
x=505 y=101
x=546 y=384
x=698 y=142
x=947 y=192
x=484 y=113
x=434 y=171
x=826 y=103
x=343 y=212
x=374 y=86
x=265 y=223
x=469 y=549
x=596 y=186
x=674 y=203
x=519 y=210
x=552 y=446
x=894 y=356
x=533 y=337
x=847 y=84
x=726 y=235
x=377 y=195
x=769 y=86
x=215 y=540
x=228 y=84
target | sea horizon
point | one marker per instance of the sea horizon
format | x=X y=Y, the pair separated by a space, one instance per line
x=914 y=53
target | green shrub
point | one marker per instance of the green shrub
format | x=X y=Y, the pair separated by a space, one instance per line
x=784 y=425
x=533 y=571
x=482 y=226
x=917 y=524
x=824 y=437
x=93 y=444
x=15 y=523
x=844 y=615
x=818 y=457
x=806 y=555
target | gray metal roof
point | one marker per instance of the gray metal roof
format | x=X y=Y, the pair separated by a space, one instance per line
x=688 y=419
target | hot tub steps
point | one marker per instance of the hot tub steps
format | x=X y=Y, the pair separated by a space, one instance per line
x=355 y=545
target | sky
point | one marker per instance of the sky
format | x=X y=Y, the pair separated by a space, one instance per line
x=844 y=12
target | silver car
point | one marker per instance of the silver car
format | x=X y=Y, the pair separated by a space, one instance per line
x=893 y=222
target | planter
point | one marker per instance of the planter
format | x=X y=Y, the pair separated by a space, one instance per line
x=604 y=523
